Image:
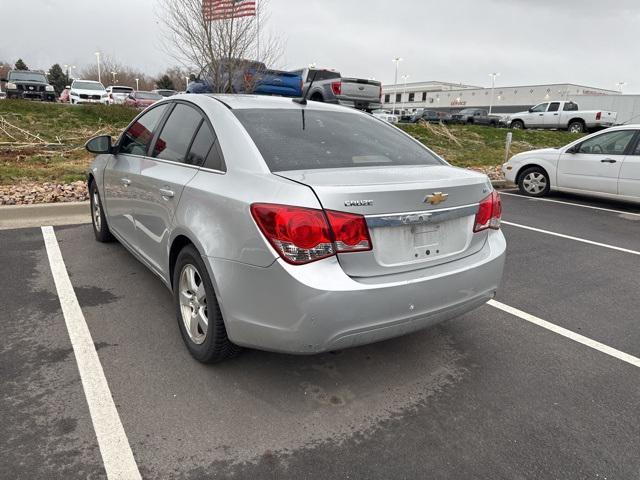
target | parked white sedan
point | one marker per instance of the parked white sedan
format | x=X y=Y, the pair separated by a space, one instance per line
x=605 y=164
x=386 y=116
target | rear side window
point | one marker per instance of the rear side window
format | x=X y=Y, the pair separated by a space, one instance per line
x=297 y=139
x=136 y=139
x=553 y=107
x=321 y=75
x=177 y=133
x=205 y=150
x=570 y=107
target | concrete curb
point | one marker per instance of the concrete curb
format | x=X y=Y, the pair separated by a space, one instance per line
x=26 y=216
x=70 y=213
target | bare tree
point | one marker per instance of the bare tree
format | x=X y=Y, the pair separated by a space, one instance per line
x=125 y=75
x=218 y=50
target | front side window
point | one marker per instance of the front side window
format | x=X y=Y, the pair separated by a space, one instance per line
x=295 y=139
x=540 y=108
x=178 y=131
x=136 y=139
x=610 y=143
x=554 y=106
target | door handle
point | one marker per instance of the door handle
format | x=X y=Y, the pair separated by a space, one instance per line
x=125 y=181
x=608 y=160
x=167 y=193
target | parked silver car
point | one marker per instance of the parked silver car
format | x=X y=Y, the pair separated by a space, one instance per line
x=294 y=228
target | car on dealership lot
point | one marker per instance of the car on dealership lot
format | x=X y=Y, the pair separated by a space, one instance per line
x=294 y=227
x=604 y=164
x=477 y=116
x=28 y=85
x=562 y=115
x=430 y=116
x=87 y=92
x=117 y=94
x=165 y=92
x=386 y=116
x=64 y=95
x=329 y=86
x=141 y=99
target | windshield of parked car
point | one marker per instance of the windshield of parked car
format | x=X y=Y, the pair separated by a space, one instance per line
x=148 y=95
x=87 y=86
x=299 y=139
x=467 y=111
x=27 y=77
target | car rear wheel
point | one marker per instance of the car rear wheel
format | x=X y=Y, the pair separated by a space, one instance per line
x=576 y=127
x=517 y=125
x=534 y=182
x=197 y=310
x=98 y=218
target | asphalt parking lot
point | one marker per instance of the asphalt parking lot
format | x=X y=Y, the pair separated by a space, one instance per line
x=489 y=395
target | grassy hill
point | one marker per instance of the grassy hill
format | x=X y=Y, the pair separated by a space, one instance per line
x=43 y=142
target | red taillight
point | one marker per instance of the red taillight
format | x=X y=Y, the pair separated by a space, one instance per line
x=302 y=235
x=489 y=213
x=336 y=87
x=598 y=115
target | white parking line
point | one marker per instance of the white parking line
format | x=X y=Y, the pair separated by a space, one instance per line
x=576 y=337
x=114 y=447
x=569 y=237
x=571 y=203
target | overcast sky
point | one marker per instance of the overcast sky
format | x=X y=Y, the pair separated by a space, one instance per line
x=589 y=42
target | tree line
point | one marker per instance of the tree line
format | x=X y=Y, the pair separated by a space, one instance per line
x=174 y=78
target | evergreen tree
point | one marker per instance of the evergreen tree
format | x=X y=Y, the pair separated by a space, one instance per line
x=165 y=82
x=58 y=78
x=20 y=65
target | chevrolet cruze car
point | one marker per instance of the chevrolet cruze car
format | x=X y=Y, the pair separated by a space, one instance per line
x=294 y=226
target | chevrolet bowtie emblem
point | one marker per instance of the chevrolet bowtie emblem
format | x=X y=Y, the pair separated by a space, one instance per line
x=436 y=197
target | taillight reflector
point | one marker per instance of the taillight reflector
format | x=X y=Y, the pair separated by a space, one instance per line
x=302 y=235
x=489 y=213
x=336 y=87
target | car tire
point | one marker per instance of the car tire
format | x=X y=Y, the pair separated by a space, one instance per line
x=534 y=182
x=197 y=310
x=98 y=218
x=517 y=125
x=576 y=126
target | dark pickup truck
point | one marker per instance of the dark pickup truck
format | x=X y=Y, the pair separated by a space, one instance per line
x=29 y=85
x=477 y=116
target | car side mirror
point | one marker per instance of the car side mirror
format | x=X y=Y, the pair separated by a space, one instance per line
x=531 y=110
x=100 y=144
x=572 y=150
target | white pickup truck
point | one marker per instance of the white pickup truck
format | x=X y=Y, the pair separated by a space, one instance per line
x=562 y=115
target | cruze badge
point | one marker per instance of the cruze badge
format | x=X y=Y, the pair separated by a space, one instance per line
x=358 y=203
x=436 y=197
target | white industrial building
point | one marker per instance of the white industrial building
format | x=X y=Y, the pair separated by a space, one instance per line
x=446 y=96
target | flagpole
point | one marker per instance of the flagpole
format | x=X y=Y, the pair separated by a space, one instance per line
x=258 y=26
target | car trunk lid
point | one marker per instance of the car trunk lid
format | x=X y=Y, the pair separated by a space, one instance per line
x=418 y=216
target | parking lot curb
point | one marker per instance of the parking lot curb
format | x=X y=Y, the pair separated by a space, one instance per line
x=26 y=216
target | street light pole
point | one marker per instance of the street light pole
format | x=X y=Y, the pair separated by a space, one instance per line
x=187 y=83
x=404 y=91
x=137 y=84
x=396 y=60
x=114 y=77
x=493 y=85
x=98 y=58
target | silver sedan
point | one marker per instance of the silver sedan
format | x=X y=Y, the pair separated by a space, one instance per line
x=294 y=227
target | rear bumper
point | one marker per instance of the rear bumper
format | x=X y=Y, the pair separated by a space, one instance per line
x=359 y=104
x=317 y=307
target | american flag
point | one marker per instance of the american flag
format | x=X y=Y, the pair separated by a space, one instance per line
x=224 y=9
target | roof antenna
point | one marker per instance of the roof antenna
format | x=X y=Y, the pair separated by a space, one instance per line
x=303 y=100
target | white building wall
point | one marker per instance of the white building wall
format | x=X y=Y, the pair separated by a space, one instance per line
x=505 y=99
x=626 y=106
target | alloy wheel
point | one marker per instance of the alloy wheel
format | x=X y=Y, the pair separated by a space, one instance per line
x=193 y=304
x=97 y=219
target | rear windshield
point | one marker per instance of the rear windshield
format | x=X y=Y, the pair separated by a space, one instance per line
x=121 y=90
x=148 y=95
x=298 y=139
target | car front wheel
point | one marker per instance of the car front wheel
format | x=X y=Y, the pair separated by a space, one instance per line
x=534 y=182
x=98 y=218
x=197 y=310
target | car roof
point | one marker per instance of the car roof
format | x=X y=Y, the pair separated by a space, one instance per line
x=84 y=81
x=246 y=101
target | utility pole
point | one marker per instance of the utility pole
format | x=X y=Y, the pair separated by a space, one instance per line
x=396 y=60
x=493 y=86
